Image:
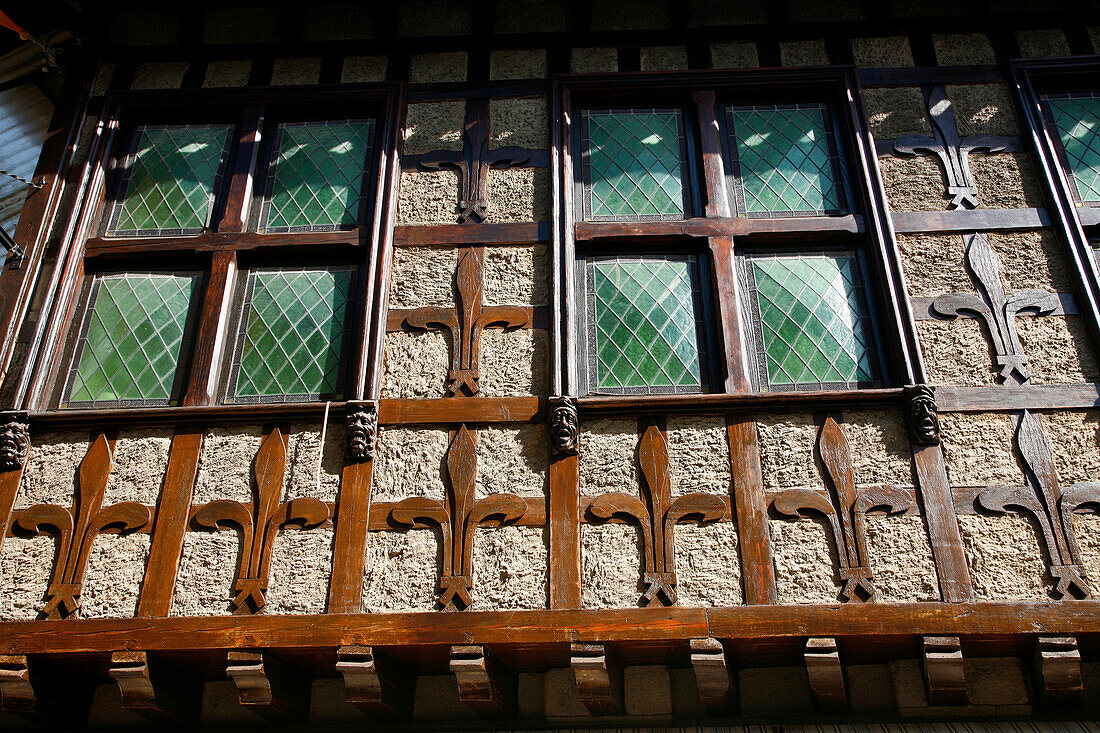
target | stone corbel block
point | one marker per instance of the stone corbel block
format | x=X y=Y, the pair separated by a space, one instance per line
x=712 y=676
x=484 y=685
x=942 y=664
x=830 y=693
x=375 y=683
x=1058 y=671
x=154 y=690
x=599 y=678
x=267 y=686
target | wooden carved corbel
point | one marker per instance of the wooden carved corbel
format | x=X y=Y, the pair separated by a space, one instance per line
x=260 y=522
x=1058 y=671
x=599 y=678
x=830 y=692
x=152 y=689
x=483 y=684
x=375 y=683
x=564 y=425
x=657 y=515
x=474 y=162
x=466 y=323
x=942 y=664
x=996 y=309
x=17 y=693
x=712 y=676
x=953 y=152
x=1049 y=504
x=267 y=686
x=922 y=415
x=15 y=440
x=77 y=528
x=458 y=517
x=845 y=510
x=362 y=424
x=44 y=691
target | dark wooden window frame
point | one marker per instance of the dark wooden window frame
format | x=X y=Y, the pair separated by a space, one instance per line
x=717 y=229
x=1078 y=225
x=231 y=246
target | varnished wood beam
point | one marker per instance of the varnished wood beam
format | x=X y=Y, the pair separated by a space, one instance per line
x=267 y=686
x=375 y=683
x=1022 y=397
x=599 y=678
x=969 y=220
x=712 y=676
x=462 y=235
x=714 y=404
x=942 y=664
x=352 y=514
x=937 y=503
x=1058 y=671
x=750 y=511
x=565 y=535
x=719 y=227
x=830 y=692
x=483 y=684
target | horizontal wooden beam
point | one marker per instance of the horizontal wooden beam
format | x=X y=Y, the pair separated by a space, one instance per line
x=534 y=232
x=558 y=627
x=969 y=220
x=217 y=242
x=538 y=316
x=460 y=409
x=1021 y=397
x=719 y=227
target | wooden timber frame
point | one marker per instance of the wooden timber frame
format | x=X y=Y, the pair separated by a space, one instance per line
x=763 y=631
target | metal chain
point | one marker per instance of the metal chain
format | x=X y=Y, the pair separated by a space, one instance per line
x=23 y=180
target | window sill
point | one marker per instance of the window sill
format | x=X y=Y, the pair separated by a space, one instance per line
x=603 y=406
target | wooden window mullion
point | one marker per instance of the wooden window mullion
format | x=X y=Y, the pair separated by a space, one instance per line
x=210 y=340
x=242 y=178
x=710 y=147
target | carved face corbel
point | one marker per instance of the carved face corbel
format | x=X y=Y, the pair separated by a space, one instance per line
x=922 y=415
x=564 y=425
x=15 y=440
x=362 y=422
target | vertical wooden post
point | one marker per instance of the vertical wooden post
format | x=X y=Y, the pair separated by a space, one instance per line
x=350 y=543
x=565 y=532
x=750 y=508
x=943 y=525
x=170 y=525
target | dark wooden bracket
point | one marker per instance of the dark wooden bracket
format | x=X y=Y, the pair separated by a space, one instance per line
x=44 y=692
x=712 y=676
x=845 y=509
x=78 y=527
x=260 y=522
x=942 y=663
x=484 y=685
x=154 y=690
x=374 y=682
x=267 y=686
x=996 y=309
x=599 y=678
x=1051 y=506
x=953 y=152
x=466 y=323
x=657 y=515
x=17 y=693
x=458 y=516
x=1058 y=671
x=826 y=675
x=474 y=162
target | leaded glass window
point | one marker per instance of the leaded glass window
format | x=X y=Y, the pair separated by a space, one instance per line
x=811 y=325
x=131 y=339
x=293 y=329
x=315 y=179
x=169 y=180
x=634 y=163
x=645 y=325
x=785 y=161
x=1076 y=119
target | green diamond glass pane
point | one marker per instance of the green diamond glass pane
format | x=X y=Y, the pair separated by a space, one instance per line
x=812 y=322
x=785 y=160
x=1077 y=118
x=317 y=176
x=644 y=325
x=293 y=333
x=173 y=174
x=634 y=164
x=130 y=348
